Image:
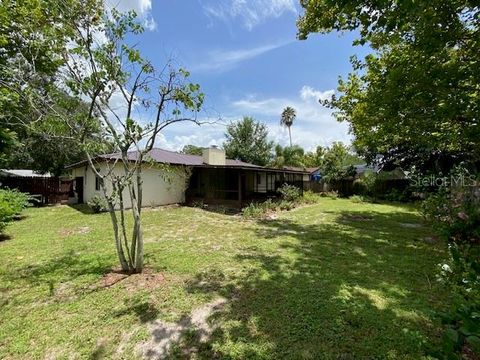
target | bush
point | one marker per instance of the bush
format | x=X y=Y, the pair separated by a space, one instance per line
x=290 y=192
x=456 y=215
x=309 y=197
x=397 y=195
x=253 y=210
x=330 y=194
x=359 y=187
x=269 y=205
x=97 y=204
x=12 y=202
x=356 y=199
x=286 y=205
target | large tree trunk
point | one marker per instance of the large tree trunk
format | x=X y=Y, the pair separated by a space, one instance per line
x=290 y=135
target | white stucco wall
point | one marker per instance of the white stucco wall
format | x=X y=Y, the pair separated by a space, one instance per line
x=159 y=186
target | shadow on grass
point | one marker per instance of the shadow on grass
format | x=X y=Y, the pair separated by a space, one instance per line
x=83 y=208
x=5 y=237
x=356 y=288
x=142 y=308
x=59 y=271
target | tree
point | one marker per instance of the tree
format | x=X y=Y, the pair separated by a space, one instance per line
x=415 y=100
x=96 y=71
x=192 y=150
x=51 y=144
x=247 y=140
x=288 y=156
x=288 y=117
x=31 y=56
x=314 y=158
x=97 y=64
x=338 y=162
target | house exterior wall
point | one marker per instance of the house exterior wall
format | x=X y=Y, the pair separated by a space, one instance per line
x=159 y=186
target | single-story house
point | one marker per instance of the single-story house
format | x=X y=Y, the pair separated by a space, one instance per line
x=314 y=174
x=171 y=177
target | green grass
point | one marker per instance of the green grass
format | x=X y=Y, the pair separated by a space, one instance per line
x=333 y=280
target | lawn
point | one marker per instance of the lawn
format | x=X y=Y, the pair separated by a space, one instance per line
x=333 y=280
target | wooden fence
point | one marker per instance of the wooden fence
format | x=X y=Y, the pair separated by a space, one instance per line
x=49 y=190
x=346 y=187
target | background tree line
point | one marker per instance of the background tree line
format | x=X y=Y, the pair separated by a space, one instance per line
x=248 y=140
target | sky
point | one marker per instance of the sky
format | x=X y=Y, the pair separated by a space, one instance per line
x=248 y=62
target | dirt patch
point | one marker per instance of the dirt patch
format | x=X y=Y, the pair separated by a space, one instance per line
x=148 y=279
x=164 y=335
x=64 y=232
x=357 y=218
x=411 y=225
x=111 y=278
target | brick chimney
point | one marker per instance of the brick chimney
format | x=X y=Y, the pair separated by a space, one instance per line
x=214 y=156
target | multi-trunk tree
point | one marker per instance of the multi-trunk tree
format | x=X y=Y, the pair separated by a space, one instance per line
x=123 y=94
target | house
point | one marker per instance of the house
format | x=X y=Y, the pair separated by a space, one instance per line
x=314 y=174
x=170 y=177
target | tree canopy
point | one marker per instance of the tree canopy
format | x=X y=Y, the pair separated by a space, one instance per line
x=415 y=100
x=288 y=156
x=192 y=150
x=31 y=101
x=287 y=118
x=247 y=140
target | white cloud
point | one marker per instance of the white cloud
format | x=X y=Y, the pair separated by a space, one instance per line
x=143 y=8
x=250 y=12
x=177 y=136
x=307 y=93
x=314 y=124
x=222 y=60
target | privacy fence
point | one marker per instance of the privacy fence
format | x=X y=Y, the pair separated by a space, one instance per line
x=47 y=190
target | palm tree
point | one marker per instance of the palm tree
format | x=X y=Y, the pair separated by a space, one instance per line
x=288 y=116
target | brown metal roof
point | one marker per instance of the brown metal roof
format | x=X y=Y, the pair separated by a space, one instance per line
x=168 y=157
x=175 y=158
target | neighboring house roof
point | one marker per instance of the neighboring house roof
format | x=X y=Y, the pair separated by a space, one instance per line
x=312 y=170
x=22 y=173
x=175 y=158
x=294 y=168
x=363 y=168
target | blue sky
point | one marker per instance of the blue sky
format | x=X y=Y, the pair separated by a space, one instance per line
x=246 y=58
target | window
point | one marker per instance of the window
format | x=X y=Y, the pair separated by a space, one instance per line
x=259 y=179
x=98 y=183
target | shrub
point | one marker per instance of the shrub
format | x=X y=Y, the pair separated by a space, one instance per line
x=253 y=210
x=309 y=197
x=369 y=181
x=397 y=195
x=356 y=198
x=269 y=205
x=12 y=202
x=286 y=205
x=456 y=215
x=289 y=192
x=359 y=187
x=97 y=204
x=330 y=194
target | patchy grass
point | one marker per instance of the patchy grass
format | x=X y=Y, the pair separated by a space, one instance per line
x=333 y=280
